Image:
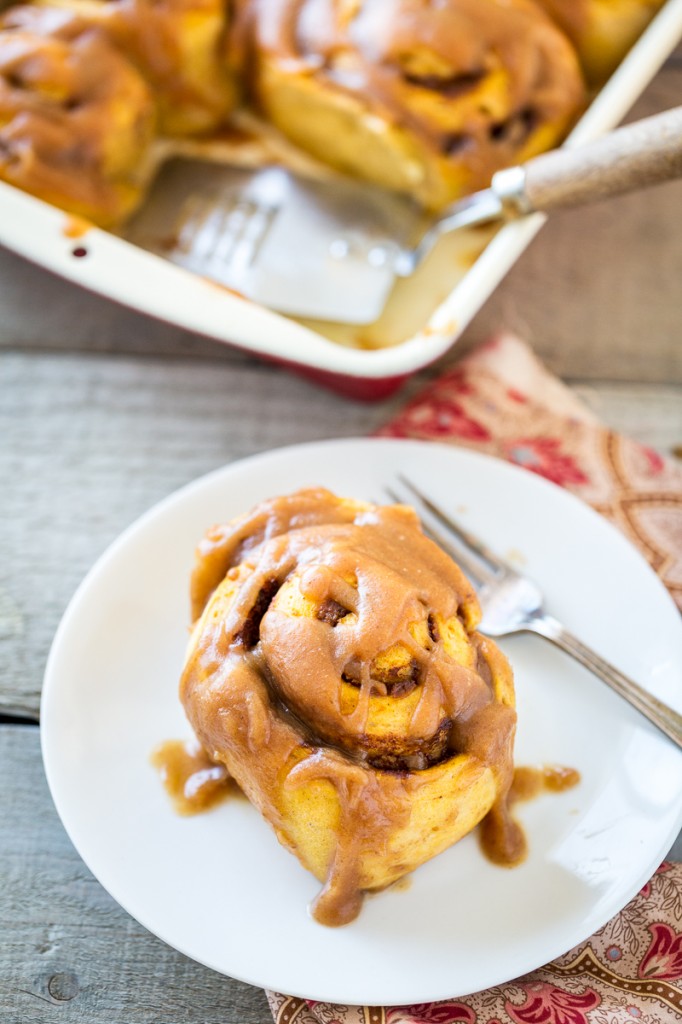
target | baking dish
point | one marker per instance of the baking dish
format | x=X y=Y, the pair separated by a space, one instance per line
x=424 y=316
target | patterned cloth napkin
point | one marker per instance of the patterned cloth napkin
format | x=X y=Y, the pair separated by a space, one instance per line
x=502 y=401
x=630 y=971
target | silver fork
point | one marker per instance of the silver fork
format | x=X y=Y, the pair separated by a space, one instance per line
x=512 y=603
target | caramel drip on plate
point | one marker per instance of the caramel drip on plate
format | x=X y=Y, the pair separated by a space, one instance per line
x=335 y=652
x=502 y=838
x=550 y=778
x=192 y=780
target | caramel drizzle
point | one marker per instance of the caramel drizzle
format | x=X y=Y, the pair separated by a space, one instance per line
x=63 y=85
x=572 y=15
x=264 y=691
x=156 y=33
x=192 y=780
x=509 y=66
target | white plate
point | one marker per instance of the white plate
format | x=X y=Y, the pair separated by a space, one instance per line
x=219 y=887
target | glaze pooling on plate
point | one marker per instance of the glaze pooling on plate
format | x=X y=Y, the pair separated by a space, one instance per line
x=470 y=925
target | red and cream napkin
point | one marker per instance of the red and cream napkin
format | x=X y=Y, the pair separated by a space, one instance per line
x=630 y=971
x=502 y=401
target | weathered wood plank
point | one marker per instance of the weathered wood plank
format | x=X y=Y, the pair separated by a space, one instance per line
x=64 y=936
x=597 y=293
x=89 y=443
x=69 y=953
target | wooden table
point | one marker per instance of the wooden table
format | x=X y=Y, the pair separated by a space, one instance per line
x=103 y=412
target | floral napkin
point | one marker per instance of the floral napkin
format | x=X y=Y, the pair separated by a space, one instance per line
x=502 y=401
x=630 y=971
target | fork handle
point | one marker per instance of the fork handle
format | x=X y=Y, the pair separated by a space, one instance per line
x=660 y=714
x=640 y=154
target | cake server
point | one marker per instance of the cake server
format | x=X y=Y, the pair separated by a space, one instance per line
x=332 y=249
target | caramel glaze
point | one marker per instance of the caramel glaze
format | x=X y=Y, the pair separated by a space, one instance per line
x=502 y=840
x=156 y=33
x=550 y=778
x=261 y=687
x=407 y=60
x=192 y=780
x=64 y=89
x=76 y=227
x=572 y=15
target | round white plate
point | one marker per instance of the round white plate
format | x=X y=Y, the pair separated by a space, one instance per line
x=220 y=888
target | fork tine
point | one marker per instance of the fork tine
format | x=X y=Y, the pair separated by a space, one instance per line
x=475 y=569
x=492 y=561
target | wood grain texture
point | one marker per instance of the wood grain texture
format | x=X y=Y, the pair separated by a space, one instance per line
x=69 y=953
x=89 y=443
x=596 y=294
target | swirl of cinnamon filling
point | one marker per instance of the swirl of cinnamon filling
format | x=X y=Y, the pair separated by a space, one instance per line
x=335 y=670
x=426 y=98
x=76 y=118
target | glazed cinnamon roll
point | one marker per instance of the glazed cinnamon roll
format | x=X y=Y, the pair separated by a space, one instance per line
x=76 y=118
x=178 y=46
x=426 y=98
x=602 y=30
x=335 y=669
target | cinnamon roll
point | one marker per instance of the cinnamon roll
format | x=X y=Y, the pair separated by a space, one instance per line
x=178 y=46
x=76 y=118
x=335 y=669
x=602 y=30
x=425 y=98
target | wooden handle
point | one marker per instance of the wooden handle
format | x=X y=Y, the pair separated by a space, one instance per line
x=640 y=154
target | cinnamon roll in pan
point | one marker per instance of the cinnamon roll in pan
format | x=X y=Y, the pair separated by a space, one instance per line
x=602 y=30
x=179 y=48
x=76 y=118
x=427 y=99
x=335 y=669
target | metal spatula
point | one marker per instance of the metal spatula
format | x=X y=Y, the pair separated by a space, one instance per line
x=332 y=249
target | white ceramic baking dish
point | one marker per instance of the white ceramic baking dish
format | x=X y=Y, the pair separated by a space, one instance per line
x=418 y=324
